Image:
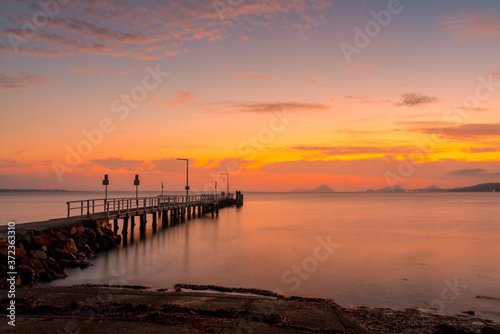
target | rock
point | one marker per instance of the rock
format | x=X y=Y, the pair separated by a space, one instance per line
x=44 y=276
x=38 y=254
x=43 y=240
x=27 y=262
x=70 y=246
x=490 y=330
x=107 y=242
x=61 y=253
x=447 y=329
x=468 y=312
x=37 y=264
x=53 y=265
x=80 y=229
x=91 y=235
x=28 y=275
x=20 y=252
x=89 y=252
x=60 y=236
x=118 y=239
x=99 y=231
x=3 y=270
x=80 y=241
x=73 y=231
x=84 y=264
x=94 y=246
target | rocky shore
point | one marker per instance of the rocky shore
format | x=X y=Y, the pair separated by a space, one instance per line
x=209 y=309
x=42 y=256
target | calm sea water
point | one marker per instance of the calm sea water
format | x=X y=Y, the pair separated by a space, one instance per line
x=386 y=250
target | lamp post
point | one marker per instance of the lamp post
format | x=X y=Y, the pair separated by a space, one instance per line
x=105 y=183
x=162 y=188
x=187 y=178
x=136 y=184
x=215 y=188
x=227 y=181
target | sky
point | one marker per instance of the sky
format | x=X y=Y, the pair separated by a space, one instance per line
x=278 y=94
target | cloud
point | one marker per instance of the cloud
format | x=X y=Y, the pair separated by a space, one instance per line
x=366 y=99
x=316 y=80
x=254 y=76
x=472 y=26
x=481 y=149
x=16 y=80
x=414 y=99
x=266 y=107
x=183 y=97
x=466 y=131
x=118 y=163
x=94 y=27
x=473 y=172
x=351 y=150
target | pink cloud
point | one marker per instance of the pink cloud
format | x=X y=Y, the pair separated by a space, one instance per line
x=471 y=26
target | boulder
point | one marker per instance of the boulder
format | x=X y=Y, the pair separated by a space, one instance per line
x=94 y=246
x=44 y=276
x=91 y=235
x=60 y=236
x=43 y=240
x=80 y=229
x=61 y=253
x=28 y=275
x=70 y=246
x=38 y=254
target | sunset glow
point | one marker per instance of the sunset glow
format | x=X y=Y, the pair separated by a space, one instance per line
x=352 y=94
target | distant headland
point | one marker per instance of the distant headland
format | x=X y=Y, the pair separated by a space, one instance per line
x=31 y=190
x=483 y=187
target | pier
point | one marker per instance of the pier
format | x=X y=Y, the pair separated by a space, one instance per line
x=179 y=208
x=169 y=209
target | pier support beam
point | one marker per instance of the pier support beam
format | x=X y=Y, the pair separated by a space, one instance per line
x=115 y=226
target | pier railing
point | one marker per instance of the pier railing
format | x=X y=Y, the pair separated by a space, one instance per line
x=132 y=205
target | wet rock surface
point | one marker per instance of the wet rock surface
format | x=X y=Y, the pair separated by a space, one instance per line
x=410 y=320
x=192 y=309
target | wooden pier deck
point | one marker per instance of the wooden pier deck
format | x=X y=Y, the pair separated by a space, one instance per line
x=178 y=207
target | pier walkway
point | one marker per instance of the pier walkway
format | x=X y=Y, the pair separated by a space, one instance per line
x=177 y=207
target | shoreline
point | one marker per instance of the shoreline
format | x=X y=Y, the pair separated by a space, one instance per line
x=213 y=309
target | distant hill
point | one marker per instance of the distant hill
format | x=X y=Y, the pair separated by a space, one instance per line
x=479 y=187
x=393 y=189
x=321 y=189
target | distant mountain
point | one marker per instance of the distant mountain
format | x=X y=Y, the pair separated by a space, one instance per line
x=480 y=187
x=393 y=189
x=321 y=189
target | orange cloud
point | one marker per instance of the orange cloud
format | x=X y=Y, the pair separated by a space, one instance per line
x=183 y=97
